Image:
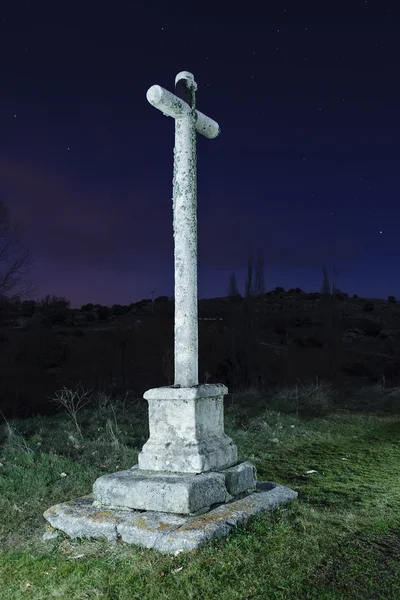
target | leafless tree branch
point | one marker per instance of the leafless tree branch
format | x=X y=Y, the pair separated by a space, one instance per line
x=14 y=261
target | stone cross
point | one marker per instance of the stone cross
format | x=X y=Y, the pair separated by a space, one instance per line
x=188 y=121
x=188 y=466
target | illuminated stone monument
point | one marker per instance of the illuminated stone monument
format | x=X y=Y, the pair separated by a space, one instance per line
x=189 y=466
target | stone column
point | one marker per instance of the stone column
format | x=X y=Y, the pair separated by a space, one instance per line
x=185 y=238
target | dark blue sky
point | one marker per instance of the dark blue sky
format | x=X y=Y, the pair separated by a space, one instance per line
x=306 y=169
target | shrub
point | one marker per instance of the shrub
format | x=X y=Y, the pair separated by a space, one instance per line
x=90 y=316
x=341 y=296
x=161 y=299
x=143 y=303
x=49 y=305
x=369 y=306
x=103 y=312
x=58 y=317
x=87 y=307
x=28 y=308
x=391 y=299
x=73 y=400
x=310 y=399
x=376 y=398
x=373 y=329
x=117 y=309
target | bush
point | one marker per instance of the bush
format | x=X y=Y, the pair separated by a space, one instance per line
x=117 y=310
x=87 y=307
x=28 y=308
x=373 y=329
x=143 y=303
x=369 y=306
x=50 y=305
x=161 y=299
x=376 y=398
x=58 y=317
x=103 y=312
x=391 y=299
x=90 y=317
x=311 y=399
x=279 y=290
x=341 y=296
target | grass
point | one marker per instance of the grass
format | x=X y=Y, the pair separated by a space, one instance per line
x=340 y=540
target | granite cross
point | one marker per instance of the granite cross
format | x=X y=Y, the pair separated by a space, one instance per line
x=189 y=465
x=188 y=121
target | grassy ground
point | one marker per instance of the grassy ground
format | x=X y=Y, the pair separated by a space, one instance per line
x=339 y=540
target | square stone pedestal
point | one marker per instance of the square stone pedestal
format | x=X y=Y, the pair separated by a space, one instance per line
x=187 y=430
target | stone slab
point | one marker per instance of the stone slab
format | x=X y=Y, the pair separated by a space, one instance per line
x=169 y=534
x=177 y=454
x=177 y=493
x=181 y=493
x=196 y=392
x=240 y=478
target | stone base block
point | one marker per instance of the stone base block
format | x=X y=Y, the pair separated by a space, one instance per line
x=178 y=493
x=240 y=478
x=187 y=455
x=167 y=533
x=187 y=430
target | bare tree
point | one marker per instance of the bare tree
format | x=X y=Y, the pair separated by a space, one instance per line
x=330 y=318
x=326 y=286
x=14 y=262
x=259 y=283
x=249 y=278
x=233 y=290
x=335 y=278
x=52 y=304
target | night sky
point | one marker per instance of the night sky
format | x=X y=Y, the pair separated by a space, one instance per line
x=306 y=169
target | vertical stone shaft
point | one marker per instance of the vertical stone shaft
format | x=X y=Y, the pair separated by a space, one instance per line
x=185 y=252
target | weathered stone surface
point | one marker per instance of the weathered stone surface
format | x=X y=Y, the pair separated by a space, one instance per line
x=178 y=493
x=187 y=430
x=161 y=531
x=240 y=478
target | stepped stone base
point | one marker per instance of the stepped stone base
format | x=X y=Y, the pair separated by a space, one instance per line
x=178 y=493
x=167 y=533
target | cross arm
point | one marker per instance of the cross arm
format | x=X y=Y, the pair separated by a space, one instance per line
x=172 y=106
